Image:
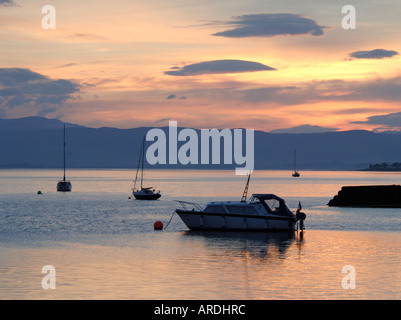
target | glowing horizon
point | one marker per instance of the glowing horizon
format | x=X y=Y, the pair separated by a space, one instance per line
x=225 y=65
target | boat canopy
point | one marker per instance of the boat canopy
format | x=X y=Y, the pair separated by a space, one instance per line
x=267 y=197
x=282 y=208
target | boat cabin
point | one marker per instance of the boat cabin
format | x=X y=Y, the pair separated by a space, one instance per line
x=260 y=204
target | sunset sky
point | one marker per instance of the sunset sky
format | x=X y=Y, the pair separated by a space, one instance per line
x=255 y=64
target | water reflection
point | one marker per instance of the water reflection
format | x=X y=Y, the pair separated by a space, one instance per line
x=260 y=245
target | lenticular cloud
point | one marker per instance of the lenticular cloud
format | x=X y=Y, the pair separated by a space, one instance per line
x=270 y=25
x=219 y=67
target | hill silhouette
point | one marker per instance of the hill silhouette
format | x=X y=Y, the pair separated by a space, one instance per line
x=36 y=142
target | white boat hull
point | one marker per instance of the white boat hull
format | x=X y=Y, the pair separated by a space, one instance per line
x=198 y=220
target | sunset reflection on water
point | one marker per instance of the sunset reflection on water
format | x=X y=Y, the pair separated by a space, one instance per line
x=190 y=265
x=103 y=246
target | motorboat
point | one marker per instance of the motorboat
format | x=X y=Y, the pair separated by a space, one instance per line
x=263 y=212
x=64 y=185
x=143 y=193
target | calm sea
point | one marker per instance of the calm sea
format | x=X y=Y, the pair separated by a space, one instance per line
x=102 y=244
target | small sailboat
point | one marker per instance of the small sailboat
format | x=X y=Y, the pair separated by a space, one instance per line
x=296 y=173
x=64 y=185
x=143 y=193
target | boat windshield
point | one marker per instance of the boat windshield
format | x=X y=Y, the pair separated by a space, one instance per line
x=272 y=204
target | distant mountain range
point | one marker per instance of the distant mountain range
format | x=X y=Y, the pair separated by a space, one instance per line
x=306 y=128
x=36 y=142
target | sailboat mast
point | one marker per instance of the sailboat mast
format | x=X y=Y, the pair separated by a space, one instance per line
x=295 y=160
x=140 y=164
x=64 y=152
x=143 y=159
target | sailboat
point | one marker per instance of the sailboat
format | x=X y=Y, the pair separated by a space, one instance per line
x=64 y=185
x=144 y=193
x=296 y=173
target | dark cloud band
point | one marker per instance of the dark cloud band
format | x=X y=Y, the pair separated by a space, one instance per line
x=373 y=54
x=392 y=119
x=23 y=87
x=270 y=25
x=7 y=2
x=218 y=67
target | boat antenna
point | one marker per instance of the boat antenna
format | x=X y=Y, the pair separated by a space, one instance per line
x=245 y=193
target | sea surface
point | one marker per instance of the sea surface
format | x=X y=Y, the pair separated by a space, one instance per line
x=101 y=242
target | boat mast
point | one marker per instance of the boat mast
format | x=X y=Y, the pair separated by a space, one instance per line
x=64 y=152
x=143 y=160
x=137 y=169
x=245 y=193
x=295 y=160
x=140 y=164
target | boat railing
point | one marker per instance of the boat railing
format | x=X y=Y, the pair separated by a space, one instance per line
x=189 y=206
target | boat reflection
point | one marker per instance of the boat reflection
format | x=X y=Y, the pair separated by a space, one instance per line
x=260 y=245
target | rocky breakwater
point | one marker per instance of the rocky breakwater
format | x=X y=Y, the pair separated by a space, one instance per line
x=382 y=196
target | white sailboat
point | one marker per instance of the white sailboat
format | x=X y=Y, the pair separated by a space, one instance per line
x=143 y=193
x=64 y=185
x=296 y=174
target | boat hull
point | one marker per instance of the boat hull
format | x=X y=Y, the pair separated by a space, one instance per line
x=64 y=186
x=199 y=220
x=146 y=194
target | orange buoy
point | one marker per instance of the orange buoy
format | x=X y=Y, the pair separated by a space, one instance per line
x=158 y=225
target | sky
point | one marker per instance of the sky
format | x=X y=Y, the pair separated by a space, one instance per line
x=255 y=64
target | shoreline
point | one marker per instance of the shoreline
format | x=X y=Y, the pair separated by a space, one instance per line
x=191 y=169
